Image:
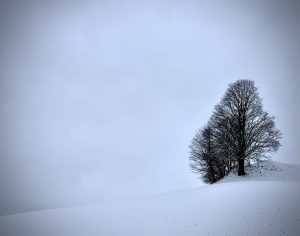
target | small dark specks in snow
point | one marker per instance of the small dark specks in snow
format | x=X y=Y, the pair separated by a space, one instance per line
x=196 y=224
x=282 y=231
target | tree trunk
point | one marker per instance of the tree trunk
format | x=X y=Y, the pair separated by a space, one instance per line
x=241 y=170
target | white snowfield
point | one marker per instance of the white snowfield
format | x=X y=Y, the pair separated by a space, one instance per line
x=265 y=202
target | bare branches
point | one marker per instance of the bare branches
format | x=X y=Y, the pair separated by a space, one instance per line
x=238 y=130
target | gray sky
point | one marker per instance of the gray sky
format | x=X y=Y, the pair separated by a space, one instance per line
x=100 y=99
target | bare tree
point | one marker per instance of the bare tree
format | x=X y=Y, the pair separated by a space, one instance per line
x=243 y=130
x=203 y=156
x=238 y=131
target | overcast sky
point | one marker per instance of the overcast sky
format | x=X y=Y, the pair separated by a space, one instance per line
x=100 y=99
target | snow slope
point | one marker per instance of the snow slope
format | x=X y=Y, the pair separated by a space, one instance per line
x=257 y=204
x=267 y=170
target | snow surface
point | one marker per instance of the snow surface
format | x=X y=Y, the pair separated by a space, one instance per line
x=260 y=203
x=267 y=170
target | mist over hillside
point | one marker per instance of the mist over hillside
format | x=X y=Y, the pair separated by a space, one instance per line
x=100 y=100
x=255 y=204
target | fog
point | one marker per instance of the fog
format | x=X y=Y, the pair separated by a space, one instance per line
x=100 y=99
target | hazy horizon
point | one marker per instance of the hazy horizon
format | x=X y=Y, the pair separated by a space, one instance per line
x=100 y=99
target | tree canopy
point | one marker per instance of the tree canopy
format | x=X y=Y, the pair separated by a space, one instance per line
x=239 y=130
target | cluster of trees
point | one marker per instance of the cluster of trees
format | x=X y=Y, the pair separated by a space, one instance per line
x=238 y=131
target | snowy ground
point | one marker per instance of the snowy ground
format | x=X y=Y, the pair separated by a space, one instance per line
x=267 y=171
x=265 y=202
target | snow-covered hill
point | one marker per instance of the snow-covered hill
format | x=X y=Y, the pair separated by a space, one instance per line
x=265 y=202
x=267 y=170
